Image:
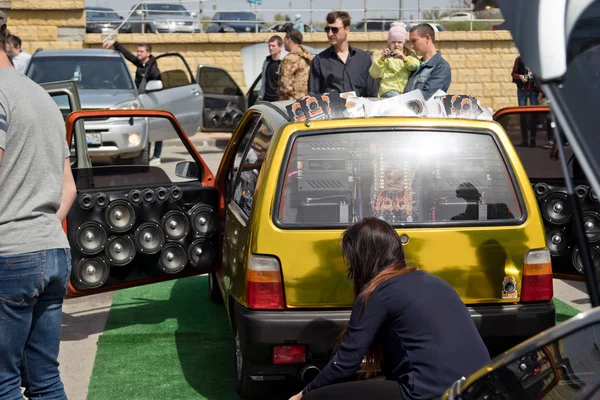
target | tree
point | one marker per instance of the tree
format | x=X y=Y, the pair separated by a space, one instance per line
x=279 y=17
x=434 y=14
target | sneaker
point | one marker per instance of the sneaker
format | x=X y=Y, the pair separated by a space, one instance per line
x=548 y=145
x=154 y=161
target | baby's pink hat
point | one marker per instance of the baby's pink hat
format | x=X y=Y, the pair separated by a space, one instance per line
x=397 y=32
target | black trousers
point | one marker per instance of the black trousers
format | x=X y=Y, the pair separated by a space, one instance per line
x=372 y=389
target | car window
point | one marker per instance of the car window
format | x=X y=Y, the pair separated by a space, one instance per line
x=173 y=72
x=249 y=128
x=250 y=168
x=217 y=81
x=98 y=73
x=402 y=177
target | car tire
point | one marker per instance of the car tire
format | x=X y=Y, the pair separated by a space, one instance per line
x=214 y=294
x=143 y=158
x=245 y=387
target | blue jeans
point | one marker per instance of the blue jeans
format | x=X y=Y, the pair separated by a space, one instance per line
x=522 y=97
x=32 y=287
x=391 y=93
x=157 y=149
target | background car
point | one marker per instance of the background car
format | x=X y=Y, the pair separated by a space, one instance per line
x=460 y=16
x=101 y=20
x=163 y=18
x=234 y=21
x=284 y=26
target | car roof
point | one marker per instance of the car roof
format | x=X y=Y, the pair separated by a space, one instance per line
x=91 y=8
x=77 y=53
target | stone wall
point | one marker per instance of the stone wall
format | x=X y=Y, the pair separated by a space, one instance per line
x=47 y=24
x=481 y=61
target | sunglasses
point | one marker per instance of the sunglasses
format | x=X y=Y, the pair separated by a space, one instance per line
x=333 y=29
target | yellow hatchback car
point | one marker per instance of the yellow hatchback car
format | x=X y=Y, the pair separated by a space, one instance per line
x=455 y=190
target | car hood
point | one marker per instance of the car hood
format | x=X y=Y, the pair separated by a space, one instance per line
x=169 y=17
x=103 y=99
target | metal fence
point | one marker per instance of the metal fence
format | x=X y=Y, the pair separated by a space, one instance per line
x=147 y=15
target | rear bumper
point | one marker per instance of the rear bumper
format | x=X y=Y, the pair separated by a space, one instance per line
x=319 y=331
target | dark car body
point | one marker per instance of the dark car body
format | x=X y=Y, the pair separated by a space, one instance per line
x=103 y=19
x=235 y=22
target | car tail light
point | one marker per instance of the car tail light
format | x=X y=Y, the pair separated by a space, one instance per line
x=537 y=276
x=264 y=289
x=295 y=354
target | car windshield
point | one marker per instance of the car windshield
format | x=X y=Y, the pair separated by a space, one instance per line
x=170 y=9
x=402 y=177
x=101 y=15
x=238 y=16
x=104 y=73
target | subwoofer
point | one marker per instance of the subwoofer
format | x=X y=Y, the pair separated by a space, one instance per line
x=90 y=237
x=557 y=241
x=176 y=193
x=591 y=224
x=120 y=216
x=176 y=225
x=541 y=190
x=576 y=258
x=120 y=250
x=204 y=220
x=86 y=201
x=148 y=195
x=582 y=191
x=135 y=196
x=91 y=273
x=101 y=200
x=162 y=194
x=149 y=238
x=555 y=208
x=201 y=253
x=173 y=258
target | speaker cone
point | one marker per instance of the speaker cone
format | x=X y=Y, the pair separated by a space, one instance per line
x=120 y=216
x=149 y=238
x=176 y=193
x=204 y=219
x=91 y=273
x=201 y=253
x=162 y=194
x=577 y=263
x=120 y=250
x=555 y=208
x=215 y=121
x=86 y=201
x=173 y=258
x=541 y=190
x=227 y=119
x=582 y=191
x=557 y=241
x=101 y=200
x=591 y=224
x=149 y=195
x=135 y=196
x=90 y=237
x=176 y=225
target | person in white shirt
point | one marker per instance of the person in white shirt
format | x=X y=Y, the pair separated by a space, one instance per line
x=19 y=58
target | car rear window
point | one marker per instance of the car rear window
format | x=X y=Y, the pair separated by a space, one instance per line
x=402 y=177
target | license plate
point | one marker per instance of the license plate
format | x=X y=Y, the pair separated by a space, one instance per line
x=93 y=139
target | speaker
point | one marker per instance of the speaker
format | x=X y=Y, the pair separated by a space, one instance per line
x=175 y=193
x=162 y=194
x=86 y=201
x=149 y=196
x=176 y=225
x=120 y=216
x=591 y=224
x=582 y=191
x=90 y=237
x=120 y=250
x=173 y=258
x=135 y=196
x=576 y=259
x=101 y=200
x=204 y=219
x=593 y=196
x=91 y=273
x=149 y=238
x=555 y=208
x=541 y=190
x=201 y=253
x=557 y=241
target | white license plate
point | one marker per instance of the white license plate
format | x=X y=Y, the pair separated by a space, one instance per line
x=93 y=139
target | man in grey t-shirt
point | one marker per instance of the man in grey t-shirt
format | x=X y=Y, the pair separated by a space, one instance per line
x=36 y=192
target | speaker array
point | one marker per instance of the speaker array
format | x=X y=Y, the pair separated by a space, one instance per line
x=557 y=215
x=126 y=234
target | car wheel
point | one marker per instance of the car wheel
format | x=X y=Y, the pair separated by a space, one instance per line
x=244 y=385
x=143 y=158
x=214 y=294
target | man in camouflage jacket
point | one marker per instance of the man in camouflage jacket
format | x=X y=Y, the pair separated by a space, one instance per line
x=295 y=68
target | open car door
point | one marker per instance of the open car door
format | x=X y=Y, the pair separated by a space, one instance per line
x=135 y=225
x=176 y=92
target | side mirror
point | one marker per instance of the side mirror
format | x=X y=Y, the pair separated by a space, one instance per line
x=194 y=14
x=154 y=86
x=187 y=170
x=139 y=13
x=120 y=17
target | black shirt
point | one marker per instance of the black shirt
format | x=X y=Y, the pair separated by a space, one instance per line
x=428 y=337
x=271 y=80
x=328 y=72
x=149 y=69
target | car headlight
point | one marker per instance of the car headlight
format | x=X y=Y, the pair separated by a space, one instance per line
x=127 y=105
x=228 y=29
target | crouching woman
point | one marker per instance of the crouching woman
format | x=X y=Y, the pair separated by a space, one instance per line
x=409 y=324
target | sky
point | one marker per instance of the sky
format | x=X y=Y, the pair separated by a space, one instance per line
x=288 y=7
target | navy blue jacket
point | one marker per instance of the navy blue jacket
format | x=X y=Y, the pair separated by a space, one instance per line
x=432 y=75
x=428 y=337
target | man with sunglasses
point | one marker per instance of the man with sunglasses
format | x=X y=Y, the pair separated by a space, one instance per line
x=341 y=67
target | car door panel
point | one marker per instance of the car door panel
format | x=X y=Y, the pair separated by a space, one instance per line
x=134 y=225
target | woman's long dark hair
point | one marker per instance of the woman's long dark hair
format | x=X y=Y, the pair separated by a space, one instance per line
x=374 y=254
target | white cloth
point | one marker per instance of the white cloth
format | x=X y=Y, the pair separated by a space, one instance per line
x=21 y=62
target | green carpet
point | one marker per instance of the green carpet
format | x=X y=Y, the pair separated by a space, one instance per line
x=168 y=341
